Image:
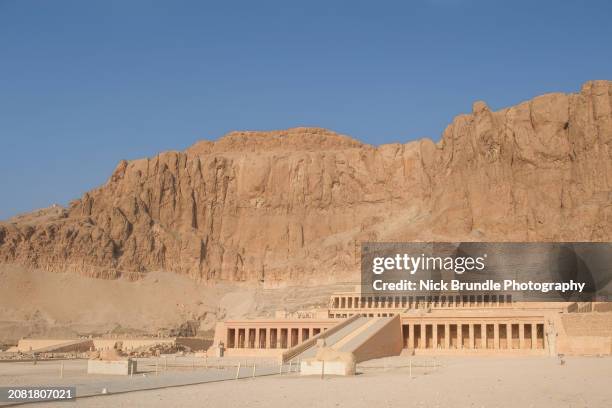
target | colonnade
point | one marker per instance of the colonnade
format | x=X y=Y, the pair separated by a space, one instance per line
x=473 y=335
x=417 y=302
x=269 y=337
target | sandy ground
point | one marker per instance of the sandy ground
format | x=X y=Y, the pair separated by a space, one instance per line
x=457 y=382
x=74 y=372
x=43 y=304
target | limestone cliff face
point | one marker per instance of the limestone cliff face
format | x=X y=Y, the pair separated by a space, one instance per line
x=293 y=205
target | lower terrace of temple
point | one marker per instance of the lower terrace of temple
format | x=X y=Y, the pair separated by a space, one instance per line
x=451 y=322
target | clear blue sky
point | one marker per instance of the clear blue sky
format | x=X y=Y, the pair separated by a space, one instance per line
x=84 y=84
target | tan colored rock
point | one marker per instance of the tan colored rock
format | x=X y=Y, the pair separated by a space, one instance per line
x=294 y=205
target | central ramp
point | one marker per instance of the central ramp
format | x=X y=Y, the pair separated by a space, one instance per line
x=365 y=337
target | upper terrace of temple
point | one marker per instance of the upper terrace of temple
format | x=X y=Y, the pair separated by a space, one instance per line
x=341 y=303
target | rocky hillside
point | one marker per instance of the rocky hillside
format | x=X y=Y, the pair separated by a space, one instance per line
x=293 y=205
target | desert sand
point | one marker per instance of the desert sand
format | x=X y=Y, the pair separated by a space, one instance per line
x=48 y=304
x=460 y=382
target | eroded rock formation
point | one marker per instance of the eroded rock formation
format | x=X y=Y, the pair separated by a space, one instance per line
x=293 y=205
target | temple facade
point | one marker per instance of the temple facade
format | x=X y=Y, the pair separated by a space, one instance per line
x=450 y=324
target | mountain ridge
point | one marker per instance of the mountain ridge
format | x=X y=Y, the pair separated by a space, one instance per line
x=292 y=205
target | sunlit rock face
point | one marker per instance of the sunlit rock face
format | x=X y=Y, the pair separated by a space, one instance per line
x=293 y=205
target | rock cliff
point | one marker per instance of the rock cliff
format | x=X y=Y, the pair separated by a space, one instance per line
x=293 y=205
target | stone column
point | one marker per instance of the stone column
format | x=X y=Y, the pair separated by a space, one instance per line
x=409 y=328
x=411 y=338
x=508 y=335
x=446 y=336
x=483 y=335
x=459 y=336
x=471 y=339
x=495 y=336
x=534 y=336
x=236 y=330
x=521 y=336
x=423 y=338
x=434 y=332
x=256 y=338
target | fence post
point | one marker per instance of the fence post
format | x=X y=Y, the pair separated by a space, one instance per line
x=322 y=369
x=238 y=371
x=410 y=368
x=281 y=368
x=253 y=369
x=290 y=365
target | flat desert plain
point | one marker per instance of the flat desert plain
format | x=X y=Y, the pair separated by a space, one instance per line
x=455 y=382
